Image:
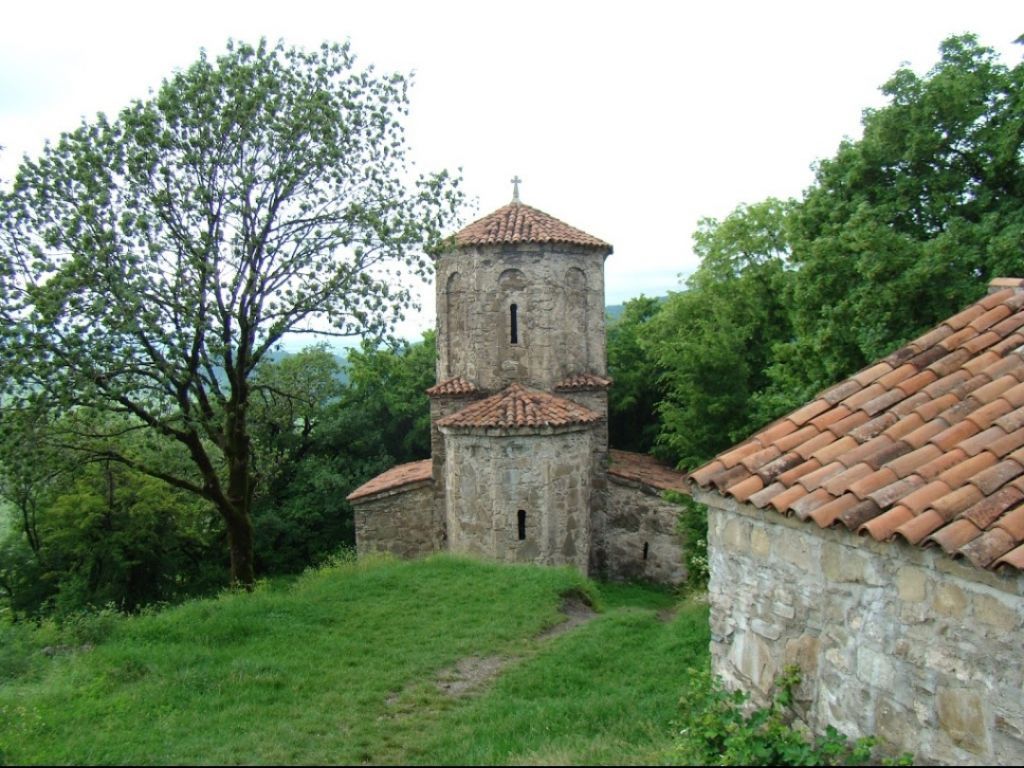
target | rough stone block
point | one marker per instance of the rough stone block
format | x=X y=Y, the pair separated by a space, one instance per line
x=803 y=651
x=995 y=613
x=794 y=549
x=752 y=658
x=766 y=630
x=963 y=717
x=894 y=723
x=910 y=583
x=842 y=564
x=949 y=600
x=736 y=535
x=783 y=610
x=760 y=542
x=874 y=669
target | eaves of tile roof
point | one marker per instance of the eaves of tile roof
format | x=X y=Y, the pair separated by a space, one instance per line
x=927 y=445
x=644 y=469
x=518 y=223
x=517 y=407
x=413 y=473
x=583 y=382
x=456 y=386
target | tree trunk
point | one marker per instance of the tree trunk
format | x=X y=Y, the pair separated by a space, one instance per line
x=240 y=543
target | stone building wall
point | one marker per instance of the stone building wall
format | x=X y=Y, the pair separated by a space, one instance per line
x=896 y=641
x=405 y=522
x=489 y=478
x=558 y=293
x=636 y=538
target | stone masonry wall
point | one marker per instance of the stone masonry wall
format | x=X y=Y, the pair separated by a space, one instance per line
x=558 y=291
x=404 y=522
x=489 y=478
x=893 y=640
x=637 y=518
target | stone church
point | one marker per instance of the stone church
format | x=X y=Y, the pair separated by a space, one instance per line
x=520 y=469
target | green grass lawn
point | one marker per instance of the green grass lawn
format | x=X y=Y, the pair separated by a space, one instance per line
x=341 y=666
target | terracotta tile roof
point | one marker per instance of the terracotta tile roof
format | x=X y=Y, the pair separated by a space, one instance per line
x=579 y=382
x=641 y=468
x=926 y=446
x=456 y=386
x=516 y=407
x=393 y=479
x=518 y=223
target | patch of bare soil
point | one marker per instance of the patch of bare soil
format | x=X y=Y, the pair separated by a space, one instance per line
x=475 y=672
x=577 y=609
x=470 y=673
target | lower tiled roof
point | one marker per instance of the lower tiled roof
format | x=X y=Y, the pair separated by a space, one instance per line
x=393 y=479
x=641 y=468
x=927 y=445
x=517 y=407
x=579 y=382
x=456 y=386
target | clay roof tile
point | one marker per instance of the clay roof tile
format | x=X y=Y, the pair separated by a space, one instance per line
x=763 y=497
x=782 y=501
x=882 y=527
x=953 y=536
x=915 y=529
x=985 y=512
x=744 y=489
x=987 y=548
x=827 y=514
x=1012 y=559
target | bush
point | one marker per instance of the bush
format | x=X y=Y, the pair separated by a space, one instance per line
x=692 y=525
x=717 y=729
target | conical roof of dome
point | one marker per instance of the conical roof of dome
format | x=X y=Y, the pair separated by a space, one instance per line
x=518 y=223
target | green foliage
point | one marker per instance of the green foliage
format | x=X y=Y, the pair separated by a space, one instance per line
x=387 y=388
x=633 y=400
x=89 y=532
x=714 y=341
x=717 y=729
x=345 y=435
x=693 y=529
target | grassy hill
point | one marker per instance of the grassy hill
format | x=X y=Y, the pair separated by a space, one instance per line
x=443 y=660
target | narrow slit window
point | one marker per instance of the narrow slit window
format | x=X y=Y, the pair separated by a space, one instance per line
x=521 y=524
x=646 y=548
x=513 y=316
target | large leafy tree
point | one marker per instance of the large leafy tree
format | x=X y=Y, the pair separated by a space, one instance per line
x=632 y=402
x=715 y=340
x=909 y=223
x=149 y=262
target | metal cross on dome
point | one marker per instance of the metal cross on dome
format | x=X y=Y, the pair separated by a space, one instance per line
x=516 y=181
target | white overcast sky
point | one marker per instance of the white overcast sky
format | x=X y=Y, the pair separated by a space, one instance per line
x=629 y=120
